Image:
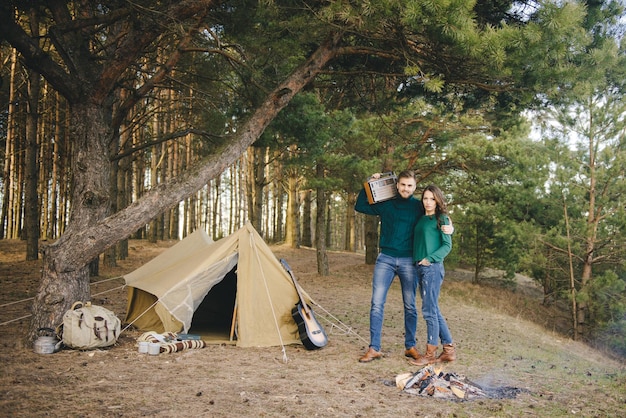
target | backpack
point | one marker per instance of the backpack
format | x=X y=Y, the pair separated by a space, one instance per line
x=86 y=326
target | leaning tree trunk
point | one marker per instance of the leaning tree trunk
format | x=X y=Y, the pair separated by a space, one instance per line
x=65 y=275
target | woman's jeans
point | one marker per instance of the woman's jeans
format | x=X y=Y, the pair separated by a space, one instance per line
x=385 y=270
x=430 y=279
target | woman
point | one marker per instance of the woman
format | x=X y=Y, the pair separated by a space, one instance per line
x=430 y=247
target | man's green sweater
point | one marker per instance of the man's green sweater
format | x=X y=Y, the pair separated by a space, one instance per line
x=398 y=217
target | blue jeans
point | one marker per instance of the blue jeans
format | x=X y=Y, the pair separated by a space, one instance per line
x=385 y=270
x=430 y=279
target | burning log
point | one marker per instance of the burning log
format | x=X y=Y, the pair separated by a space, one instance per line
x=432 y=381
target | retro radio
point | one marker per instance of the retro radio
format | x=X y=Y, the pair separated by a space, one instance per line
x=382 y=188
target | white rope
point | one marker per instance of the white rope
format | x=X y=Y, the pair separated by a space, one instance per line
x=15 y=302
x=345 y=329
x=28 y=316
x=139 y=316
x=107 y=291
x=107 y=280
x=32 y=298
x=15 y=320
x=280 y=337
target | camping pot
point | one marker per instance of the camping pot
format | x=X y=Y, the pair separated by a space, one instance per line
x=48 y=343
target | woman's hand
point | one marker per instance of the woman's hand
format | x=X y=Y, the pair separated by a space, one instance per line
x=447 y=229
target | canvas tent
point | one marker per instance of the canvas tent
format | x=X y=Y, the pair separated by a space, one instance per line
x=200 y=286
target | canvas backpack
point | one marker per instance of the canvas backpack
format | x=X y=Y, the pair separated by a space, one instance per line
x=86 y=326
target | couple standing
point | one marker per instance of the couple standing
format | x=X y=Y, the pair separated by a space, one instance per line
x=414 y=239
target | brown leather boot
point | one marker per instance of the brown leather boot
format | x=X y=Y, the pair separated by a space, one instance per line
x=370 y=355
x=448 y=354
x=412 y=352
x=428 y=357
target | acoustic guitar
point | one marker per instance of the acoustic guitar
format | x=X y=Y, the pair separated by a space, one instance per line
x=311 y=332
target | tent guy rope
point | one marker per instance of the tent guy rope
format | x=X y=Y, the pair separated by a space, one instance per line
x=269 y=296
x=28 y=316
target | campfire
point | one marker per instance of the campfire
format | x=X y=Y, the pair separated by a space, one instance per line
x=433 y=381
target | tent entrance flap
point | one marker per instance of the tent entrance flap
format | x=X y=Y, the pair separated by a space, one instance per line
x=213 y=317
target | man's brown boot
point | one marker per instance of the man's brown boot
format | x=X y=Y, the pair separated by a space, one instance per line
x=370 y=355
x=412 y=352
x=428 y=357
x=448 y=354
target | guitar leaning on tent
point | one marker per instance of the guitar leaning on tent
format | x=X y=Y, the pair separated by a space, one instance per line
x=311 y=332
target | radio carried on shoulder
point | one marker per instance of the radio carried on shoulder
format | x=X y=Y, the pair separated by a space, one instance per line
x=382 y=188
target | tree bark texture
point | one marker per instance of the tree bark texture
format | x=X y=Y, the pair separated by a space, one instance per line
x=307 y=218
x=31 y=197
x=320 y=227
x=350 y=227
x=291 y=229
x=31 y=200
x=371 y=239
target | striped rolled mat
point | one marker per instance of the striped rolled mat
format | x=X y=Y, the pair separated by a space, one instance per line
x=168 y=342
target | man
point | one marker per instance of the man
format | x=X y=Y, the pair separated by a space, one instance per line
x=398 y=217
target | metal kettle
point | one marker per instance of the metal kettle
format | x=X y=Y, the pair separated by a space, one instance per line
x=47 y=342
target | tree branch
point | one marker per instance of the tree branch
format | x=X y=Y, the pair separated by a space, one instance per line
x=164 y=138
x=558 y=249
x=121 y=224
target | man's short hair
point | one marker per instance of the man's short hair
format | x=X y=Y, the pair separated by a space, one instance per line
x=407 y=174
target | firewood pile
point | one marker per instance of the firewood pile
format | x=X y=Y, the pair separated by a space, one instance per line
x=433 y=381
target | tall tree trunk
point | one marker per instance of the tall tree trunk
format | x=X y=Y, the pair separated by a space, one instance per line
x=257 y=180
x=572 y=280
x=53 y=222
x=110 y=255
x=279 y=200
x=329 y=224
x=65 y=172
x=9 y=155
x=123 y=179
x=371 y=239
x=307 y=218
x=591 y=236
x=31 y=201
x=249 y=176
x=215 y=225
x=320 y=227
x=154 y=168
x=45 y=161
x=350 y=230
x=291 y=229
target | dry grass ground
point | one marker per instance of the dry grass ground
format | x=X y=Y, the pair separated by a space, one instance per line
x=503 y=339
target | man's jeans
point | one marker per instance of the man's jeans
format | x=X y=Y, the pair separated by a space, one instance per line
x=385 y=270
x=430 y=280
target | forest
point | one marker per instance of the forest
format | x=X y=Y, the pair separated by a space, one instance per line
x=148 y=120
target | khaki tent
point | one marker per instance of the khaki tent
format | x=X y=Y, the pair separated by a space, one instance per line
x=235 y=285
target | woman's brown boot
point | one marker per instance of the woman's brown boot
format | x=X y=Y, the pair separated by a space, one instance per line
x=428 y=357
x=448 y=354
